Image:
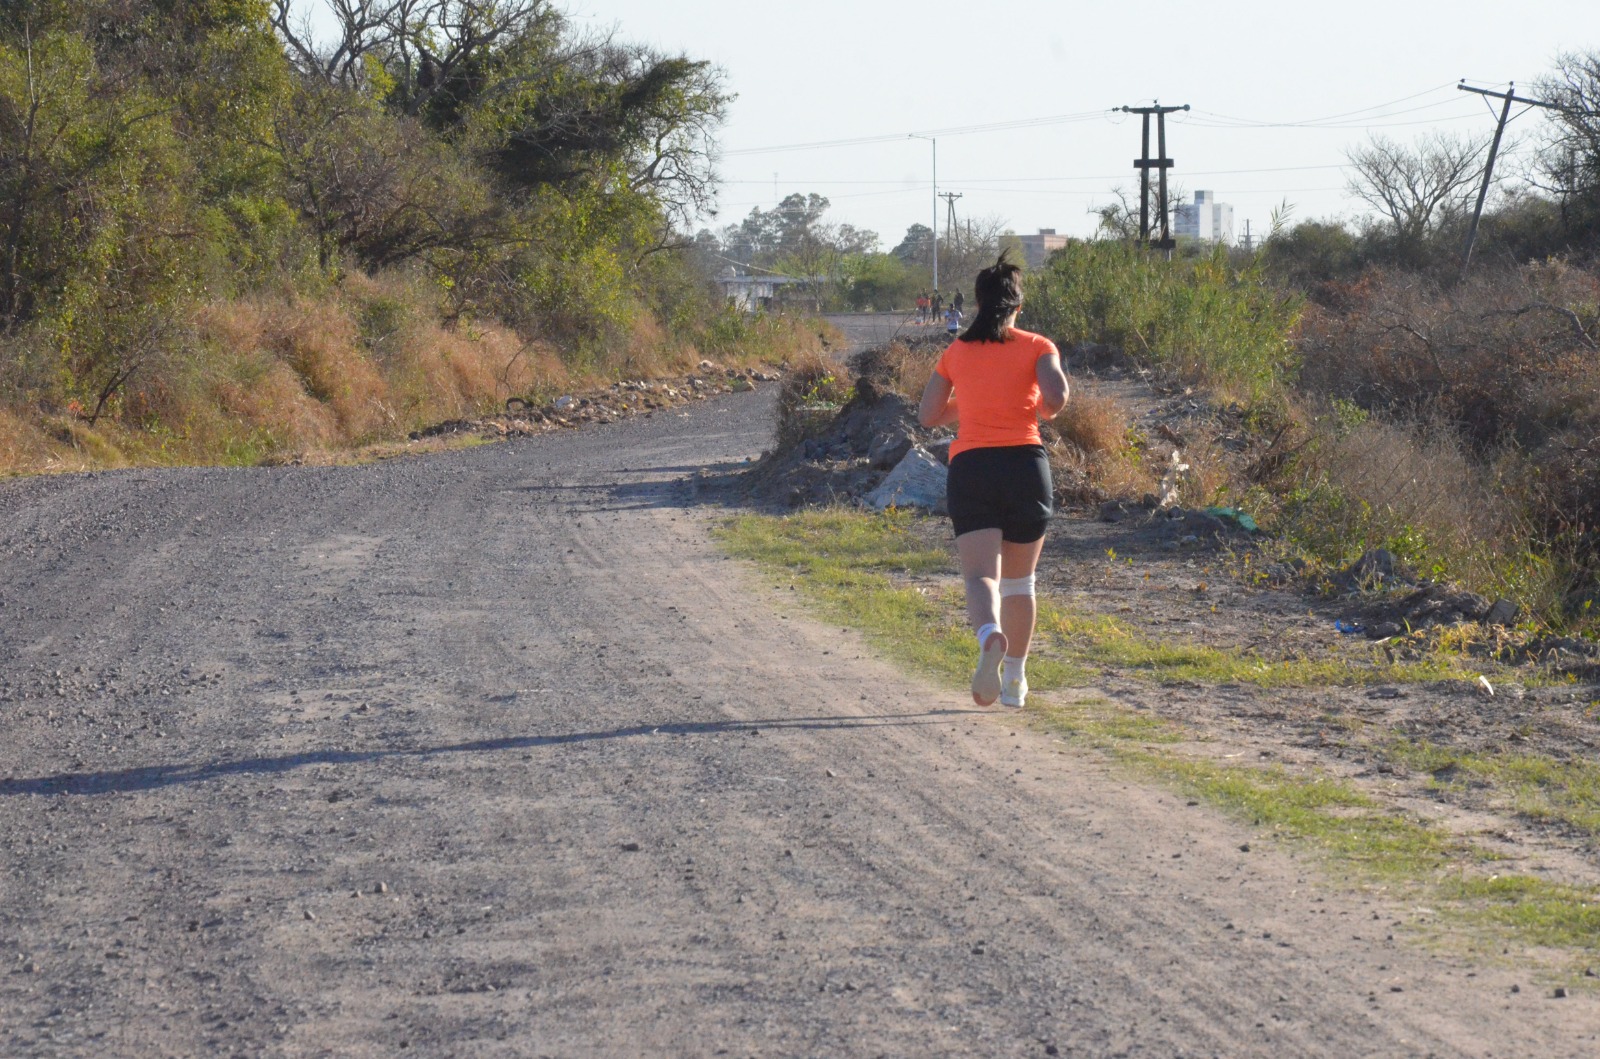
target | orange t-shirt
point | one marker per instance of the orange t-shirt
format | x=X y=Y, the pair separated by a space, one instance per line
x=997 y=390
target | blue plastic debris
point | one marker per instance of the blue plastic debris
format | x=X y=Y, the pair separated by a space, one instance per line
x=1234 y=515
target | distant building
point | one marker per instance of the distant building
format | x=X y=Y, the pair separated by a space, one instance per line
x=1036 y=248
x=1205 y=219
x=752 y=293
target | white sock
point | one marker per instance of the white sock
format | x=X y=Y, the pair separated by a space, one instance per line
x=1013 y=668
x=986 y=632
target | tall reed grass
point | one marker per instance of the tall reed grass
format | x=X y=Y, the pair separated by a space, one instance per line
x=1199 y=320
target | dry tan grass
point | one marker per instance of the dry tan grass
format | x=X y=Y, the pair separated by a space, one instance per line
x=1211 y=477
x=285 y=372
x=1093 y=451
x=25 y=448
x=813 y=388
x=1414 y=487
x=1419 y=476
x=911 y=367
x=1093 y=423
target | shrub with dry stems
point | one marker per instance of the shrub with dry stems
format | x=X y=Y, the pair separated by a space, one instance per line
x=1414 y=487
x=1094 y=454
x=1093 y=423
x=1504 y=368
x=813 y=390
x=1507 y=356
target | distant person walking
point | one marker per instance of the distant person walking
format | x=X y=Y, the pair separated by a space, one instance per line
x=937 y=307
x=922 y=307
x=958 y=301
x=952 y=320
x=1005 y=380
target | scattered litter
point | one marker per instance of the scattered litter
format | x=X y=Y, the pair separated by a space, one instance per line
x=1176 y=469
x=1349 y=628
x=1234 y=515
x=1488 y=688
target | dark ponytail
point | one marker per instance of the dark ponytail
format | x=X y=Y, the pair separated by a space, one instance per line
x=999 y=292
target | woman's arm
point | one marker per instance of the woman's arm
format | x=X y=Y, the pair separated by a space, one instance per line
x=1052 y=386
x=938 y=403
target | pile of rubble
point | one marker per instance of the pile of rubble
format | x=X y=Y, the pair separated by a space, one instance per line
x=1398 y=603
x=1401 y=602
x=522 y=418
x=871 y=452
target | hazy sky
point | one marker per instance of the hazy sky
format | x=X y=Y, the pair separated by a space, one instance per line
x=1262 y=78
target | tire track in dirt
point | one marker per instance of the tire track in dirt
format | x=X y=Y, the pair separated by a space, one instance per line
x=491 y=753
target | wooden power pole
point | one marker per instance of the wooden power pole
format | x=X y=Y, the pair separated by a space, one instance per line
x=1510 y=96
x=1160 y=163
x=950 y=218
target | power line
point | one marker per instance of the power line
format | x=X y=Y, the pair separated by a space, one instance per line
x=1089 y=193
x=1051 y=179
x=1344 y=119
x=1202 y=124
x=954 y=130
x=1347 y=119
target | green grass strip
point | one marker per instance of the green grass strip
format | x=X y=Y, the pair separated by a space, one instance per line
x=1535 y=785
x=844 y=563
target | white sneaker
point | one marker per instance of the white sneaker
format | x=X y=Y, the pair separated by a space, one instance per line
x=1014 y=693
x=986 y=680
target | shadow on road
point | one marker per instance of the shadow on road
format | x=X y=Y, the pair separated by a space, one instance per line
x=155 y=777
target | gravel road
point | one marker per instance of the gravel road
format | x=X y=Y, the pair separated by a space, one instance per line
x=491 y=753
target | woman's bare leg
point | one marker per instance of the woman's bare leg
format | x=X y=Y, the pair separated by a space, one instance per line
x=979 y=553
x=1018 y=613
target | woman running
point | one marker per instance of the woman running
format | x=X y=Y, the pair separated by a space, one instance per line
x=999 y=480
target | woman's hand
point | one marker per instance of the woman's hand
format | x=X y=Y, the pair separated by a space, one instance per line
x=1052 y=386
x=938 y=403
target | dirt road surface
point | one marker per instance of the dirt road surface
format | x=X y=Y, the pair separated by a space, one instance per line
x=491 y=753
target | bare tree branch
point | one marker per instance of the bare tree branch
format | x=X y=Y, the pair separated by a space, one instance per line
x=1417 y=189
x=1571 y=317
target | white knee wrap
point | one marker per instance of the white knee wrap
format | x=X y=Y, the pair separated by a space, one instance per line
x=1016 y=586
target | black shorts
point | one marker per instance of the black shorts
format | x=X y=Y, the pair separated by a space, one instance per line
x=1007 y=489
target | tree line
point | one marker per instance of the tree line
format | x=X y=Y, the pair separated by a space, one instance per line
x=1422 y=194
x=158 y=155
x=841 y=267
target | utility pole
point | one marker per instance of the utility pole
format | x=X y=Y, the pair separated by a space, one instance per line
x=935 y=142
x=1161 y=163
x=1249 y=242
x=1510 y=96
x=950 y=215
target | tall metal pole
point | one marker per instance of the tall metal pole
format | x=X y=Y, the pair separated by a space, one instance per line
x=1510 y=96
x=935 y=217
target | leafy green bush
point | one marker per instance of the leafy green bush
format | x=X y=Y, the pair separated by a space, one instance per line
x=1199 y=321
